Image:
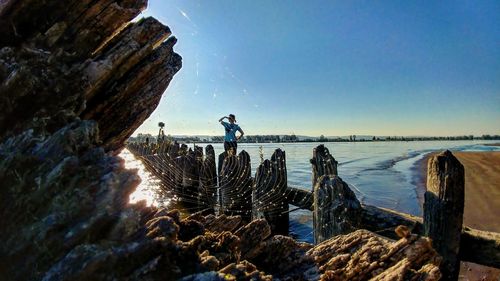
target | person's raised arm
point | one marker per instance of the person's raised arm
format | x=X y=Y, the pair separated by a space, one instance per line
x=222 y=118
x=241 y=132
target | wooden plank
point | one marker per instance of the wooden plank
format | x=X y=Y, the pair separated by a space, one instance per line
x=444 y=208
x=481 y=247
x=299 y=197
x=385 y=221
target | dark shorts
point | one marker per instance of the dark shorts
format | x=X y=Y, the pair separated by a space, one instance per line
x=230 y=144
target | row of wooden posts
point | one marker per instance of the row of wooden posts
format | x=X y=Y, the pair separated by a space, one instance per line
x=231 y=190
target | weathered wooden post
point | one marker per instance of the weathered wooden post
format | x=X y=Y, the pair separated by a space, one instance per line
x=173 y=150
x=190 y=181
x=244 y=186
x=336 y=210
x=227 y=180
x=222 y=156
x=183 y=150
x=201 y=199
x=167 y=179
x=178 y=175
x=269 y=195
x=323 y=163
x=208 y=178
x=171 y=168
x=186 y=180
x=444 y=208
x=235 y=186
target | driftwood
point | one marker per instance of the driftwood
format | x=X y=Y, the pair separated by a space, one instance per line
x=270 y=193
x=363 y=255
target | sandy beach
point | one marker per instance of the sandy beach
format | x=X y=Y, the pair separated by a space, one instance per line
x=482 y=201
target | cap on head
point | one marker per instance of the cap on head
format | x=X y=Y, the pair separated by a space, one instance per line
x=232 y=117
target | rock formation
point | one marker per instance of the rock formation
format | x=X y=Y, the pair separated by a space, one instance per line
x=76 y=79
x=82 y=59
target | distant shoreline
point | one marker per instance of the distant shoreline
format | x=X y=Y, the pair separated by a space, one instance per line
x=202 y=141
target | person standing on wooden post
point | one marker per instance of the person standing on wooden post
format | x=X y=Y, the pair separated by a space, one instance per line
x=230 y=139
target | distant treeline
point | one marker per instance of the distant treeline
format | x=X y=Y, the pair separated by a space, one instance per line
x=294 y=138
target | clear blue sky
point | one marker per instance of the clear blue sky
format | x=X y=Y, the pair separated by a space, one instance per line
x=333 y=67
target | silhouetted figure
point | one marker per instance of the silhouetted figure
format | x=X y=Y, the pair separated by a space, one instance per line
x=161 y=132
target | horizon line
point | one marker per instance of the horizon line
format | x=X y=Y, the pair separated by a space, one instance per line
x=330 y=136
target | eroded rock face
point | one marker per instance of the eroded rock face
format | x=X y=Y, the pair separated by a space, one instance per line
x=58 y=192
x=70 y=72
x=60 y=61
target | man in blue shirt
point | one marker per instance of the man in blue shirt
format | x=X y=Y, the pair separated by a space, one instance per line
x=230 y=139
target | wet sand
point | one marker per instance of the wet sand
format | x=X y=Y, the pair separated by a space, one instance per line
x=482 y=201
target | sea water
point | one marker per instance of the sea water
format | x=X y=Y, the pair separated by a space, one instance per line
x=380 y=173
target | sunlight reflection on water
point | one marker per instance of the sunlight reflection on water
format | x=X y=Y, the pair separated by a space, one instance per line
x=149 y=189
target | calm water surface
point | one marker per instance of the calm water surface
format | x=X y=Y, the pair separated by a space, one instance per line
x=380 y=173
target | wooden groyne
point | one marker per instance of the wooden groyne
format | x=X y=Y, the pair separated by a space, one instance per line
x=231 y=190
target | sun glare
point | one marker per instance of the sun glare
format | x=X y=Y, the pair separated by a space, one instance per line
x=149 y=189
